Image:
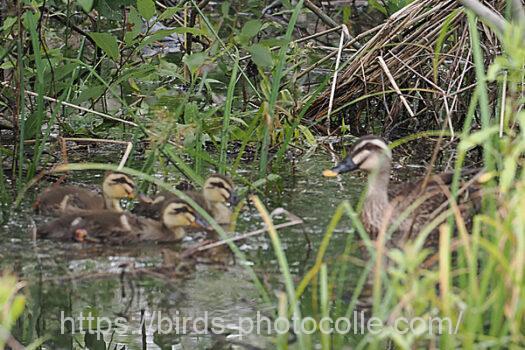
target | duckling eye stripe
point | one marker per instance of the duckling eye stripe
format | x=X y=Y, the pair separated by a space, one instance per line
x=180 y=210
x=123 y=180
x=219 y=184
x=368 y=148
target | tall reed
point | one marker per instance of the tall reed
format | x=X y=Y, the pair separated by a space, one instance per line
x=478 y=281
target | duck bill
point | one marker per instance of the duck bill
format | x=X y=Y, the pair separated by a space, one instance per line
x=345 y=166
x=201 y=223
x=234 y=199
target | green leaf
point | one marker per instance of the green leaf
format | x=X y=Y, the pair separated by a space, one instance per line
x=496 y=67
x=146 y=8
x=8 y=23
x=310 y=138
x=7 y=65
x=225 y=9
x=441 y=39
x=169 y=13
x=379 y=7
x=478 y=138
x=273 y=42
x=509 y=172
x=90 y=311
x=136 y=22
x=87 y=5
x=261 y=55
x=251 y=28
x=169 y=69
x=347 y=12
x=158 y=35
x=90 y=92
x=108 y=44
x=94 y=341
x=111 y=9
x=17 y=307
x=195 y=61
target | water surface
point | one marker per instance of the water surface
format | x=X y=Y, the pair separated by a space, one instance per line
x=70 y=279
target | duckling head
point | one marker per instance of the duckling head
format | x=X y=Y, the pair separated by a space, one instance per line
x=177 y=214
x=369 y=153
x=219 y=189
x=117 y=186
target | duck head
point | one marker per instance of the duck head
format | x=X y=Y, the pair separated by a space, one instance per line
x=369 y=153
x=219 y=189
x=115 y=187
x=177 y=213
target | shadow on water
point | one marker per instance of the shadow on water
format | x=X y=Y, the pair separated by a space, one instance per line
x=68 y=280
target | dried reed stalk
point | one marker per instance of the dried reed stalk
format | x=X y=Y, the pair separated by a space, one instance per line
x=430 y=82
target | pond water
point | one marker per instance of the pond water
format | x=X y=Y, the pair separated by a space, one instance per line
x=70 y=279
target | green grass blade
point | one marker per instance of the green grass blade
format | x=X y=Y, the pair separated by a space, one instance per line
x=325 y=308
x=226 y=118
x=277 y=75
x=283 y=265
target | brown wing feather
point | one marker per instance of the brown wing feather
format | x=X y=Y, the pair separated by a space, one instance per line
x=98 y=224
x=78 y=198
x=434 y=199
x=154 y=210
x=107 y=227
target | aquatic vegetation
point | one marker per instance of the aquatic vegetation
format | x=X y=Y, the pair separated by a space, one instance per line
x=192 y=88
x=463 y=293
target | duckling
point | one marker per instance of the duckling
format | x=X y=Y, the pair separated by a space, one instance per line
x=64 y=199
x=371 y=154
x=151 y=207
x=119 y=228
x=216 y=196
x=219 y=193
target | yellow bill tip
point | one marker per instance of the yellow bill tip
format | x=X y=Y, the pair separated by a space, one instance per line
x=329 y=173
x=486 y=177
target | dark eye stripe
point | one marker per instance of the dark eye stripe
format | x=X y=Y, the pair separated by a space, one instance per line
x=123 y=180
x=366 y=147
x=220 y=185
x=181 y=210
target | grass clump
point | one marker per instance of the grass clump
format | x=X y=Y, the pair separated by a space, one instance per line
x=467 y=292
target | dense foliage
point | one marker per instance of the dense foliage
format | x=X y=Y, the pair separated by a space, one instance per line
x=197 y=85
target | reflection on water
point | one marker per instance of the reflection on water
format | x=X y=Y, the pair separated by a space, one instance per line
x=70 y=280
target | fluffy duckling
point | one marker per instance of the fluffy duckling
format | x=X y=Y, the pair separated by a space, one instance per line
x=67 y=199
x=152 y=207
x=218 y=192
x=216 y=198
x=371 y=154
x=120 y=228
